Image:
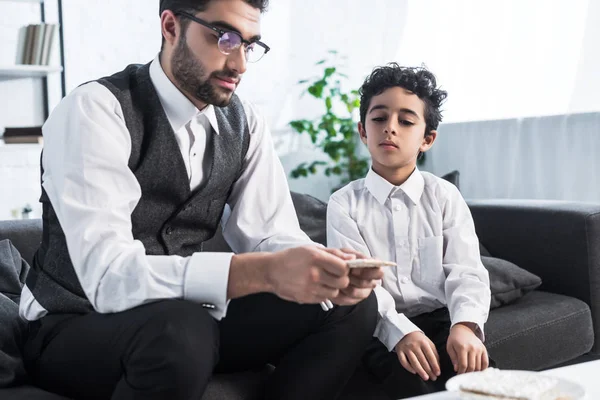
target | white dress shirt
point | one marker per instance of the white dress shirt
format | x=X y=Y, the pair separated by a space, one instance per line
x=426 y=228
x=93 y=192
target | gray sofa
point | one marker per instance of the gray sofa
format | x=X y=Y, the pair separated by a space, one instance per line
x=558 y=322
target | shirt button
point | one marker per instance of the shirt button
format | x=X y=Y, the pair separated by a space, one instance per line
x=404 y=279
x=169 y=230
x=397 y=208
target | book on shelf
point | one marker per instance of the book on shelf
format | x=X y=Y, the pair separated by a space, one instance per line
x=35 y=44
x=27 y=134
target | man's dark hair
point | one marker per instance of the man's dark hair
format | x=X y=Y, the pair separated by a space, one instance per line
x=196 y=6
x=418 y=80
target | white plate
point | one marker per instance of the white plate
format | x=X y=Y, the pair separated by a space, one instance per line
x=565 y=389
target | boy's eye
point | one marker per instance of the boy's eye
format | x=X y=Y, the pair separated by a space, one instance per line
x=379 y=119
x=406 y=123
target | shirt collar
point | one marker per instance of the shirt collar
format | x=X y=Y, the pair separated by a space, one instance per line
x=381 y=189
x=179 y=109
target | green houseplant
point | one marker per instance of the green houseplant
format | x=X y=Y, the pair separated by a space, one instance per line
x=334 y=131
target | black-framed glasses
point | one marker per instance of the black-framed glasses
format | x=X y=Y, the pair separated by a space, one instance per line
x=229 y=41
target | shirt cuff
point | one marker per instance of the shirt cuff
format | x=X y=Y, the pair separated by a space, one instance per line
x=206 y=279
x=392 y=327
x=473 y=316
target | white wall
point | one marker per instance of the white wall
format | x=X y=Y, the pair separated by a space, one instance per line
x=551 y=157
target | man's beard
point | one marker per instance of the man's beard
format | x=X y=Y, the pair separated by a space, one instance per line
x=189 y=73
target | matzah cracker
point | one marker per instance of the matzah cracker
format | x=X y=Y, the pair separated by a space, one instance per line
x=369 y=263
x=511 y=385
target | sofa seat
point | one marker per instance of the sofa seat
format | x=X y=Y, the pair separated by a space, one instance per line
x=236 y=386
x=539 y=331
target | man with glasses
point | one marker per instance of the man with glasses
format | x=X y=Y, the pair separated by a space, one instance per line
x=137 y=170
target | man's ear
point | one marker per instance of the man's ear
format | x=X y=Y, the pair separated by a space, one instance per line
x=362 y=133
x=170 y=27
x=428 y=141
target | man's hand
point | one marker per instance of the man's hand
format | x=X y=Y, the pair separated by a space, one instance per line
x=362 y=280
x=466 y=351
x=418 y=355
x=308 y=274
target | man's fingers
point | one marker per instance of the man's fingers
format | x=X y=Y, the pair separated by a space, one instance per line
x=356 y=293
x=478 y=361
x=367 y=274
x=351 y=296
x=419 y=363
x=344 y=255
x=404 y=362
x=361 y=283
x=322 y=293
x=331 y=263
x=355 y=253
x=323 y=277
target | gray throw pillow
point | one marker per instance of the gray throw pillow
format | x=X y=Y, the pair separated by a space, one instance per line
x=508 y=282
x=453 y=177
x=13 y=271
x=12 y=330
x=312 y=216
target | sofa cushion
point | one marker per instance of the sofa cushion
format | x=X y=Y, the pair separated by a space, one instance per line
x=12 y=331
x=538 y=331
x=508 y=282
x=13 y=271
x=28 y=393
x=248 y=385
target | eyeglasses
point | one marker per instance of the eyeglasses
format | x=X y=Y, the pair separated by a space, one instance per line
x=229 y=41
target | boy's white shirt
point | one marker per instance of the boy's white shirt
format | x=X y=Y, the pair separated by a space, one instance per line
x=425 y=226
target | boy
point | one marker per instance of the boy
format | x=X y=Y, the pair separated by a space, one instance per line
x=434 y=302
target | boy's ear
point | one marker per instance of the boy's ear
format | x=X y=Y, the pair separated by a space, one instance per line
x=362 y=133
x=428 y=141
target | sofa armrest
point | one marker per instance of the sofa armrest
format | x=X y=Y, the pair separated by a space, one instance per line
x=25 y=235
x=556 y=240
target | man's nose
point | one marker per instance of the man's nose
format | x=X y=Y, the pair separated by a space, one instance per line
x=236 y=61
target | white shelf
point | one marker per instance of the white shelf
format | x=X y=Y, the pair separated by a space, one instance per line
x=23 y=1
x=26 y=71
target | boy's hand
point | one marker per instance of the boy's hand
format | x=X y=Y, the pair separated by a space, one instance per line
x=466 y=351
x=418 y=355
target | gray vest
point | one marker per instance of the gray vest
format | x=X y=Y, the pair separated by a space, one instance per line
x=169 y=219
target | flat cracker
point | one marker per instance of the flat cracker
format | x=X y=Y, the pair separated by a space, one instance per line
x=369 y=263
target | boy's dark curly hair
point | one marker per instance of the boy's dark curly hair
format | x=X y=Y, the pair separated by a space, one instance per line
x=415 y=79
